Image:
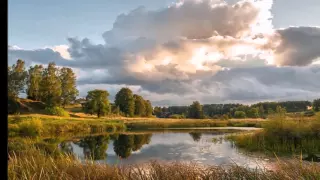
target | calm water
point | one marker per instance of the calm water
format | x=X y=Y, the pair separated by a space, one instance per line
x=201 y=146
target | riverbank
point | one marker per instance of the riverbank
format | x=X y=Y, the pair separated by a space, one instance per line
x=43 y=125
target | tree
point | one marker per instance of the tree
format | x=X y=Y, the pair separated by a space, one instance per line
x=149 y=109
x=240 y=114
x=124 y=99
x=50 y=86
x=17 y=77
x=195 y=111
x=33 y=82
x=316 y=105
x=69 y=90
x=253 y=113
x=157 y=111
x=115 y=109
x=261 y=112
x=139 y=106
x=97 y=102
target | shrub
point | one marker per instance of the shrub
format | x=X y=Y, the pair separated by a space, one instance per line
x=31 y=127
x=13 y=106
x=176 y=116
x=239 y=114
x=309 y=113
x=57 y=111
x=13 y=129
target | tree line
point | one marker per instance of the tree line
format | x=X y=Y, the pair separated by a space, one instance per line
x=226 y=111
x=126 y=104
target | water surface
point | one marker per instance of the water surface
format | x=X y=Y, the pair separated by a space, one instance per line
x=202 y=146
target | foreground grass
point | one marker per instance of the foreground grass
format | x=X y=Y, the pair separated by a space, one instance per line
x=34 y=164
x=283 y=137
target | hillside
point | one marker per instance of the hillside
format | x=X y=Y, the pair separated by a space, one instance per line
x=26 y=106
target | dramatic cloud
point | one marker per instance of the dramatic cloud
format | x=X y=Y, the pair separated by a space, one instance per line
x=207 y=50
x=297 y=46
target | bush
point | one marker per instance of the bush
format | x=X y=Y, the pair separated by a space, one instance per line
x=13 y=129
x=57 y=111
x=31 y=127
x=308 y=113
x=176 y=116
x=13 y=106
x=239 y=114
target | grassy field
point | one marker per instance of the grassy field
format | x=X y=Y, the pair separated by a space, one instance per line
x=44 y=125
x=31 y=163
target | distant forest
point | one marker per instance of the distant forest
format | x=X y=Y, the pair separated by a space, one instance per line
x=226 y=111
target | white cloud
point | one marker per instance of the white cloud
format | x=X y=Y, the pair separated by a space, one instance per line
x=63 y=50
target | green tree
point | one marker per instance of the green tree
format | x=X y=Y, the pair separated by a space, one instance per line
x=316 y=105
x=195 y=111
x=115 y=109
x=17 y=77
x=139 y=105
x=69 y=90
x=239 y=114
x=124 y=99
x=97 y=102
x=253 y=113
x=149 y=109
x=157 y=111
x=50 y=86
x=33 y=83
x=261 y=111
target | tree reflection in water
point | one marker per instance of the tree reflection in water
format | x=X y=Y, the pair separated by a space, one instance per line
x=66 y=147
x=124 y=145
x=95 y=147
x=195 y=136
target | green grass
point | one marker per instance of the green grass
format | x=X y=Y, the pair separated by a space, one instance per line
x=31 y=125
x=48 y=124
x=188 y=123
x=283 y=137
x=35 y=164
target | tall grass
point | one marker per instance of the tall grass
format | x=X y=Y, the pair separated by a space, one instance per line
x=34 y=164
x=33 y=126
x=283 y=137
x=188 y=123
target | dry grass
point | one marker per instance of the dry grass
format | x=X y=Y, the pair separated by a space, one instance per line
x=32 y=164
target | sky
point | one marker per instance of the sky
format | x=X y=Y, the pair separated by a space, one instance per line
x=176 y=52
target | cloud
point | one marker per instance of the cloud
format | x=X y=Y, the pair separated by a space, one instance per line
x=297 y=46
x=207 y=50
x=63 y=50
